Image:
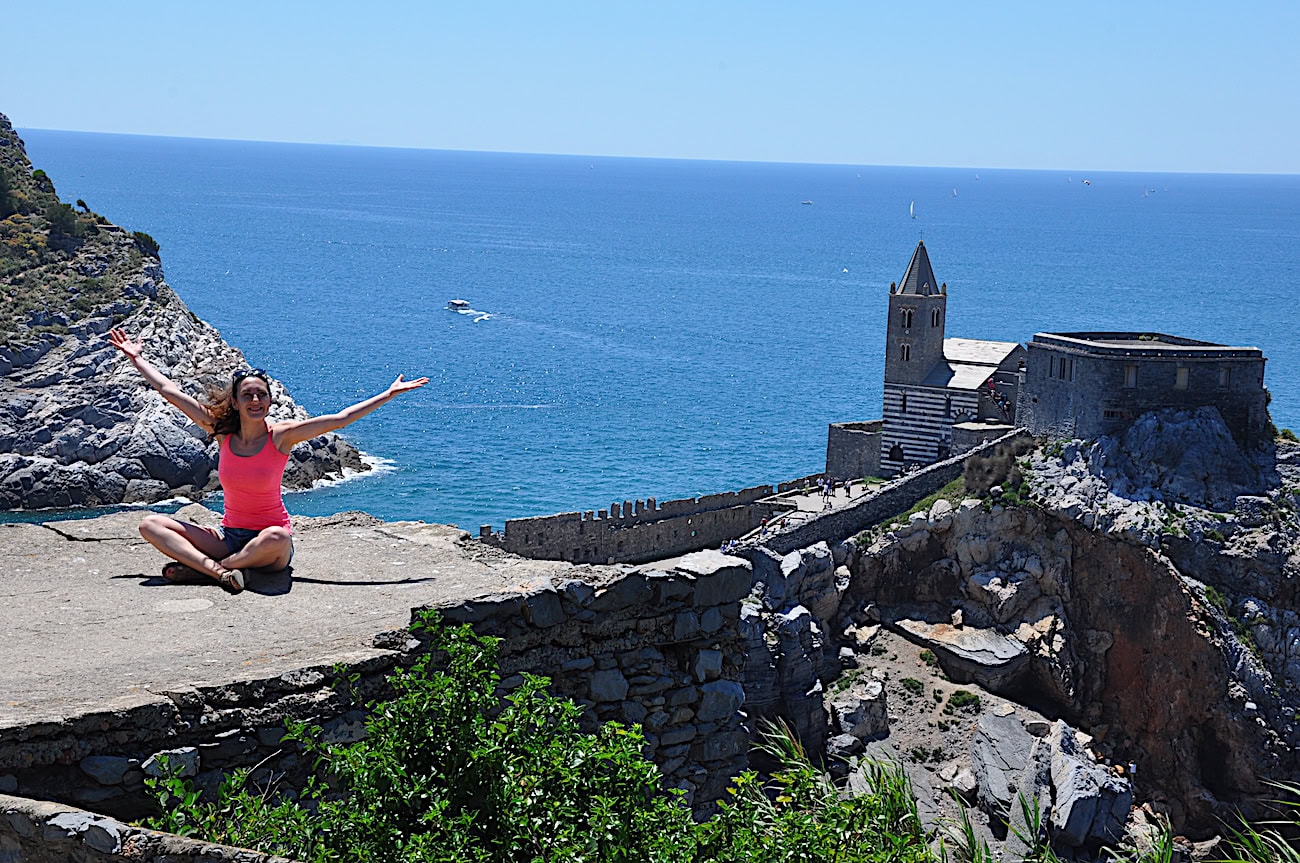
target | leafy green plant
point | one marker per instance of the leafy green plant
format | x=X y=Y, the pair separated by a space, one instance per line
x=967 y=845
x=800 y=814
x=1269 y=841
x=964 y=700
x=446 y=772
x=1032 y=832
x=912 y=685
x=145 y=243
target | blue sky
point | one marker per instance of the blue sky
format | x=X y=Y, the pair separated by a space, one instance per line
x=1142 y=86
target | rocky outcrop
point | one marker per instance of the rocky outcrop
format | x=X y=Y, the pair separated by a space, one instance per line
x=78 y=426
x=1119 y=642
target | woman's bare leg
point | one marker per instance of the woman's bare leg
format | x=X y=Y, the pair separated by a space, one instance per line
x=196 y=547
x=270 y=549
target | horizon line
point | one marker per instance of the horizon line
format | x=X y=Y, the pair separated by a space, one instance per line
x=20 y=130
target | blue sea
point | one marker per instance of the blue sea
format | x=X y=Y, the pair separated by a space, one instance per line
x=658 y=328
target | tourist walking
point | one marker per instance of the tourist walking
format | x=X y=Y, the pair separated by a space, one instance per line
x=255 y=533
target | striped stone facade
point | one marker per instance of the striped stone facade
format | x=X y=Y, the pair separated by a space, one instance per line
x=918 y=424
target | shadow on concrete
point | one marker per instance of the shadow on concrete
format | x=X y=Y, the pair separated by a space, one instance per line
x=369 y=582
x=276 y=583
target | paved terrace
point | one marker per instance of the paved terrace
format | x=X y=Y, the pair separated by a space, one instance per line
x=89 y=624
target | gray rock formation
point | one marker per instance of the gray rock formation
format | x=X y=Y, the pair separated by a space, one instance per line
x=1164 y=623
x=78 y=426
x=1187 y=456
x=1092 y=804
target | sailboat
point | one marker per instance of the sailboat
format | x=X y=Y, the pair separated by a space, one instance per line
x=954 y=191
x=911 y=209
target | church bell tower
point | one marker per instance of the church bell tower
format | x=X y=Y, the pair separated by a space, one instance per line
x=917 y=309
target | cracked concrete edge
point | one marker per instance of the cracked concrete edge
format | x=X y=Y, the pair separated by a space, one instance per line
x=126 y=711
x=37 y=830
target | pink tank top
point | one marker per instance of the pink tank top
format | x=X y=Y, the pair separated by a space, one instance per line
x=252 y=486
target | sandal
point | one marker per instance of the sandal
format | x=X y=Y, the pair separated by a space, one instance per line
x=178 y=573
x=232 y=581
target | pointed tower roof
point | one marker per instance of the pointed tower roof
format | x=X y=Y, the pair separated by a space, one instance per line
x=919 y=278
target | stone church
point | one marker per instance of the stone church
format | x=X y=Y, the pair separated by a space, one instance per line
x=933 y=383
x=943 y=396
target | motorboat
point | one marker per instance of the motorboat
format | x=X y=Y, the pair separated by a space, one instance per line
x=458 y=305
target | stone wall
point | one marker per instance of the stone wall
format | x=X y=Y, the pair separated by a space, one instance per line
x=33 y=831
x=1079 y=386
x=918 y=424
x=853 y=450
x=658 y=648
x=967 y=436
x=889 y=500
x=634 y=532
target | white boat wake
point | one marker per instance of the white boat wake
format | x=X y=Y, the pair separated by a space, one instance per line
x=461 y=307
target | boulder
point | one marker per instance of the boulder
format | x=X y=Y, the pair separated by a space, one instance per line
x=1000 y=750
x=861 y=710
x=1092 y=804
x=800 y=646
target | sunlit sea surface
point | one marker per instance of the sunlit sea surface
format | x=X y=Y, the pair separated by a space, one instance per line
x=652 y=327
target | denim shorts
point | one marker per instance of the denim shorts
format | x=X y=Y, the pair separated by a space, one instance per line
x=236 y=538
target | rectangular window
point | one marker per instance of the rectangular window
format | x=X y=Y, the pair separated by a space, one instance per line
x=1071 y=368
x=1180 y=378
x=1225 y=376
x=1051 y=367
x=1130 y=376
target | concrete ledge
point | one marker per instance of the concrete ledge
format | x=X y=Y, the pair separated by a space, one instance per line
x=34 y=831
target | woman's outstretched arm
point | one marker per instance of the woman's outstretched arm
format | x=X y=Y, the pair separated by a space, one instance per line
x=188 y=405
x=296 y=432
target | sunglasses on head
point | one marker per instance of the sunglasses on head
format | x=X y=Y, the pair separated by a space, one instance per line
x=249 y=373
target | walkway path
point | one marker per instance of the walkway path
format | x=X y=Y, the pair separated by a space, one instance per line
x=90 y=625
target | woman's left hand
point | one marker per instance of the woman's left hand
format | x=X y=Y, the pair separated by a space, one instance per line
x=400 y=385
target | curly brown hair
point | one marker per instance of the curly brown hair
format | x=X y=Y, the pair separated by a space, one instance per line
x=220 y=402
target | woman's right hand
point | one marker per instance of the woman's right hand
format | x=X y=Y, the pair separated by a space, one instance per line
x=124 y=344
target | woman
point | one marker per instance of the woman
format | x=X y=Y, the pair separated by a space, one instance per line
x=255 y=533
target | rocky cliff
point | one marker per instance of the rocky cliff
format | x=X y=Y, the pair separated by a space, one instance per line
x=1116 y=623
x=78 y=426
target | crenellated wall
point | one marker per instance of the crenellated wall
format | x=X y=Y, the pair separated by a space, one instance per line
x=638 y=531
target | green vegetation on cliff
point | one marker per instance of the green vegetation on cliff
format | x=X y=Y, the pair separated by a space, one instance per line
x=444 y=775
x=447 y=773
x=57 y=265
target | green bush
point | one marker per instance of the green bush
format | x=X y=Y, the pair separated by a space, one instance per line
x=8 y=206
x=801 y=815
x=443 y=776
x=63 y=220
x=1288 y=435
x=145 y=243
x=963 y=700
x=912 y=685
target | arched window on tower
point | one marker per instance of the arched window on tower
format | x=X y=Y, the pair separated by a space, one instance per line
x=907 y=319
x=905 y=352
x=934 y=317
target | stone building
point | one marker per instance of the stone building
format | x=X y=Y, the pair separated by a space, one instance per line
x=933 y=383
x=1083 y=385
